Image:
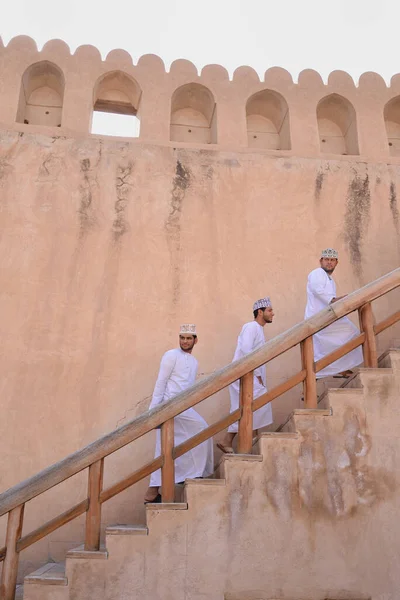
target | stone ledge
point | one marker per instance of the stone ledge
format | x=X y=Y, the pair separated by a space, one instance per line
x=205 y=482
x=376 y=371
x=167 y=506
x=242 y=457
x=49 y=574
x=344 y=391
x=286 y=435
x=316 y=412
x=80 y=552
x=127 y=530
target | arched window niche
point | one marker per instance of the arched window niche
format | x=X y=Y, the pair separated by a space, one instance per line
x=337 y=125
x=193 y=115
x=268 y=124
x=41 y=95
x=392 y=123
x=116 y=100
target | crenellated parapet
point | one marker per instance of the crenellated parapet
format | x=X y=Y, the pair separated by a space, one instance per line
x=56 y=92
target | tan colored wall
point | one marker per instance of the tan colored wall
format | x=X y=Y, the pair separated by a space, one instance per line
x=107 y=245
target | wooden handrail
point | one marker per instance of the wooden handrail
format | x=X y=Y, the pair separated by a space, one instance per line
x=106 y=445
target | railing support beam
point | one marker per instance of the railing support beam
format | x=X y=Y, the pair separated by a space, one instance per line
x=10 y=567
x=168 y=468
x=309 y=384
x=93 y=515
x=370 y=352
x=245 y=441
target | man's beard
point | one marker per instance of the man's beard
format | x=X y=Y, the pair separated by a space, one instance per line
x=187 y=349
x=329 y=271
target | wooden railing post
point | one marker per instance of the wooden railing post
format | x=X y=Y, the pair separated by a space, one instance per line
x=309 y=384
x=10 y=566
x=245 y=441
x=93 y=515
x=168 y=468
x=370 y=352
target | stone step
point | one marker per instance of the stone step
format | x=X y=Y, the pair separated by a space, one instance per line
x=289 y=425
x=206 y=482
x=80 y=552
x=229 y=460
x=272 y=435
x=202 y=490
x=49 y=574
x=127 y=530
x=161 y=506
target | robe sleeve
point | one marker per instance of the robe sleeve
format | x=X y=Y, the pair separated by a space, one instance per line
x=317 y=281
x=247 y=345
x=166 y=367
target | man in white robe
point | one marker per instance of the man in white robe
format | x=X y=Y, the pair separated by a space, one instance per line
x=178 y=371
x=250 y=338
x=321 y=292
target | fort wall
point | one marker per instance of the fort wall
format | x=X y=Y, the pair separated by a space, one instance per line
x=107 y=244
x=58 y=91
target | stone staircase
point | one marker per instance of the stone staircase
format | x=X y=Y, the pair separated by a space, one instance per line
x=312 y=514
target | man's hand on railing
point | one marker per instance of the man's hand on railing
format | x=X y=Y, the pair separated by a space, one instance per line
x=336 y=299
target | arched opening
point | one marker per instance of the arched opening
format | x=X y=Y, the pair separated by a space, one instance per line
x=268 y=125
x=115 y=105
x=193 y=115
x=392 y=123
x=41 y=95
x=337 y=125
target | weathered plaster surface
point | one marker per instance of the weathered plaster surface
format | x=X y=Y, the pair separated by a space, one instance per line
x=107 y=245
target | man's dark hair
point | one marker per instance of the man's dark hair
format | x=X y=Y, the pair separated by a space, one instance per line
x=255 y=312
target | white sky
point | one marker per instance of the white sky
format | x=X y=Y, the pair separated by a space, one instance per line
x=352 y=35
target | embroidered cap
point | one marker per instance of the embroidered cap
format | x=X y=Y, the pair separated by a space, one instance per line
x=188 y=329
x=329 y=253
x=262 y=303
